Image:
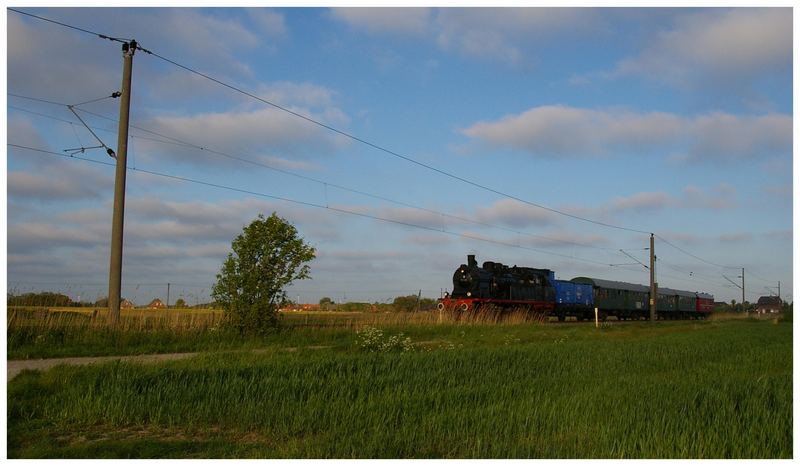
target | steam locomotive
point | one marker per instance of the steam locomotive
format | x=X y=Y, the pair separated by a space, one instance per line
x=503 y=287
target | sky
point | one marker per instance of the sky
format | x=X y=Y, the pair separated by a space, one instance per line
x=449 y=127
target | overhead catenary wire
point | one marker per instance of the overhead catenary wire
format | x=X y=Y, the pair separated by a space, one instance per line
x=312 y=204
x=87 y=31
x=335 y=209
x=179 y=142
x=389 y=151
x=356 y=138
x=692 y=255
x=364 y=141
x=190 y=145
x=750 y=274
x=691 y=273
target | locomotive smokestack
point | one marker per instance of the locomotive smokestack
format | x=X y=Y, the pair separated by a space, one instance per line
x=471 y=260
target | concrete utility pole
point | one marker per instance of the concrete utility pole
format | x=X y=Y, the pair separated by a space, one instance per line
x=653 y=294
x=779 y=290
x=115 y=272
x=167 y=295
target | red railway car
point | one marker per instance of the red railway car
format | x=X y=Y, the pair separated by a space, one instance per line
x=705 y=303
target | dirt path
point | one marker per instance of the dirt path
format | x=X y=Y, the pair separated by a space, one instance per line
x=17 y=366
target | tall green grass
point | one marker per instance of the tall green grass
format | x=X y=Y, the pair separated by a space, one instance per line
x=710 y=390
x=43 y=333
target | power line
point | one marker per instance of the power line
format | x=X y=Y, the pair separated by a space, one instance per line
x=388 y=151
x=751 y=274
x=36 y=98
x=182 y=143
x=102 y=36
x=340 y=210
x=353 y=137
x=368 y=143
x=44 y=115
x=682 y=270
x=692 y=255
x=311 y=204
x=187 y=144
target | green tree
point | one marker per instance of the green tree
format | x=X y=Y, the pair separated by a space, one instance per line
x=325 y=303
x=268 y=255
x=180 y=303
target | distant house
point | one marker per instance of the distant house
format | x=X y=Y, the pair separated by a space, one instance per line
x=768 y=304
x=126 y=304
x=156 y=304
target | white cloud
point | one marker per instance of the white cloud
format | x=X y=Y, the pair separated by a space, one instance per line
x=719 y=197
x=286 y=164
x=563 y=131
x=34 y=68
x=56 y=64
x=162 y=238
x=202 y=33
x=397 y=21
x=570 y=131
x=506 y=34
x=564 y=239
x=722 y=196
x=43 y=237
x=414 y=217
x=736 y=237
x=68 y=184
x=731 y=136
x=514 y=214
x=734 y=44
x=243 y=133
x=646 y=201
x=301 y=94
x=22 y=132
x=270 y=22
x=683 y=238
x=428 y=239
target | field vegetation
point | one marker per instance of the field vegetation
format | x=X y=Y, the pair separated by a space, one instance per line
x=357 y=385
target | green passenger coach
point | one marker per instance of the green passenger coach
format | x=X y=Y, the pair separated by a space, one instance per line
x=631 y=301
x=624 y=300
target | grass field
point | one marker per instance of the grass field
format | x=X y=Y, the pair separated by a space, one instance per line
x=334 y=387
x=62 y=332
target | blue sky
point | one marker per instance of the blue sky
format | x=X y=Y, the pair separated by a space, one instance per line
x=676 y=121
